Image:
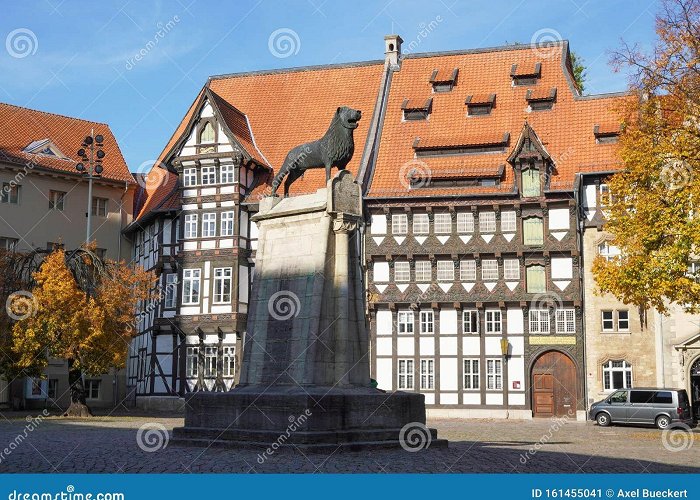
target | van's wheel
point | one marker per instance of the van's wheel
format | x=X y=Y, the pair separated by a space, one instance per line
x=663 y=422
x=603 y=419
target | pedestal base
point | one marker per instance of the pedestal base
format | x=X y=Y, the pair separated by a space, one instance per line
x=317 y=419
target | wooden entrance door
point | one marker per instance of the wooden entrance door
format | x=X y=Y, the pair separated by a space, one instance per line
x=554 y=386
x=543 y=390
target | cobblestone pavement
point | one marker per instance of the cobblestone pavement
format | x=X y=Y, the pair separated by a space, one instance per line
x=109 y=444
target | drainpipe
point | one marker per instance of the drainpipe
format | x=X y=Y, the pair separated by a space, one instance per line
x=121 y=220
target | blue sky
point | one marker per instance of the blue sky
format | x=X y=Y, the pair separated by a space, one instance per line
x=79 y=58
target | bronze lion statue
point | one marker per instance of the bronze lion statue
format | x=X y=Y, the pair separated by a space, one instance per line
x=335 y=148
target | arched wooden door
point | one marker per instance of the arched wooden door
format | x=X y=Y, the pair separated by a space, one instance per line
x=554 y=385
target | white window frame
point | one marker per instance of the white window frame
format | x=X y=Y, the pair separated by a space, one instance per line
x=208 y=175
x=405 y=374
x=421 y=223
x=442 y=223
x=427 y=322
x=427 y=374
x=467 y=270
x=489 y=270
x=494 y=374
x=611 y=320
x=191 y=282
x=487 y=222
x=509 y=222
x=223 y=276
x=191 y=226
x=209 y=225
x=170 y=301
x=472 y=374
x=468 y=317
x=399 y=224
x=565 y=320
x=493 y=319
x=90 y=386
x=538 y=321
x=227 y=174
x=229 y=360
x=404 y=322
x=192 y=362
x=402 y=271
x=211 y=359
x=189 y=177
x=227 y=221
x=609 y=369
x=626 y=320
x=511 y=269
x=445 y=271
x=423 y=271
x=465 y=222
x=608 y=252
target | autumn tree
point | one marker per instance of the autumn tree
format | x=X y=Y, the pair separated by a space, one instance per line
x=652 y=212
x=578 y=68
x=84 y=313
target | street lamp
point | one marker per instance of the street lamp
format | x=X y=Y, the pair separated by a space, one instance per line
x=91 y=167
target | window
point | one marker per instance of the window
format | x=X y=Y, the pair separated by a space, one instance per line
x=487 y=222
x=208 y=175
x=53 y=388
x=566 y=320
x=493 y=321
x=533 y=234
x=619 y=397
x=443 y=224
x=421 y=224
x=57 y=200
x=536 y=280
x=511 y=269
x=10 y=193
x=604 y=195
x=190 y=226
x=427 y=320
x=494 y=374
x=617 y=375
x=641 y=396
x=608 y=321
x=8 y=243
x=465 y=222
x=531 y=182
x=427 y=374
x=489 y=270
x=92 y=389
x=402 y=271
x=226 y=174
x=445 y=270
x=623 y=320
x=189 y=177
x=190 y=286
x=226 y=223
x=406 y=374
x=170 y=291
x=210 y=355
x=207 y=134
x=694 y=271
x=662 y=397
x=192 y=368
x=99 y=207
x=229 y=361
x=467 y=270
x=405 y=322
x=423 y=271
x=208 y=225
x=608 y=251
x=399 y=224
x=470 y=321
x=508 y=222
x=539 y=321
x=222 y=285
x=471 y=374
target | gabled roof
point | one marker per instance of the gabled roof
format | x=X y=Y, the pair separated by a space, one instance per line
x=25 y=132
x=565 y=130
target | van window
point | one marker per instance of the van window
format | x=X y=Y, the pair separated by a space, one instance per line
x=683 y=398
x=663 y=397
x=641 y=396
x=619 y=397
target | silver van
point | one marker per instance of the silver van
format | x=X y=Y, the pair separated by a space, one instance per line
x=661 y=407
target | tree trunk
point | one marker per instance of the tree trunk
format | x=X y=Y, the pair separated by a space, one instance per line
x=78 y=407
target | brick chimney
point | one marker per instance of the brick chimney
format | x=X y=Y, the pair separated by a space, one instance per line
x=392 y=50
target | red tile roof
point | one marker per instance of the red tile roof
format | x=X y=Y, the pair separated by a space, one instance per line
x=20 y=126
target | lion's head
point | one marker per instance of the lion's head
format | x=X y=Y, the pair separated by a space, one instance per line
x=348 y=117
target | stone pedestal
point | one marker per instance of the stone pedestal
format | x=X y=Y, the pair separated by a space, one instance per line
x=305 y=373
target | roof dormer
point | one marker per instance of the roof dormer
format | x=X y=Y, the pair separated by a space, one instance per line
x=416 y=109
x=606 y=133
x=443 y=80
x=540 y=99
x=480 y=104
x=44 y=147
x=522 y=75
